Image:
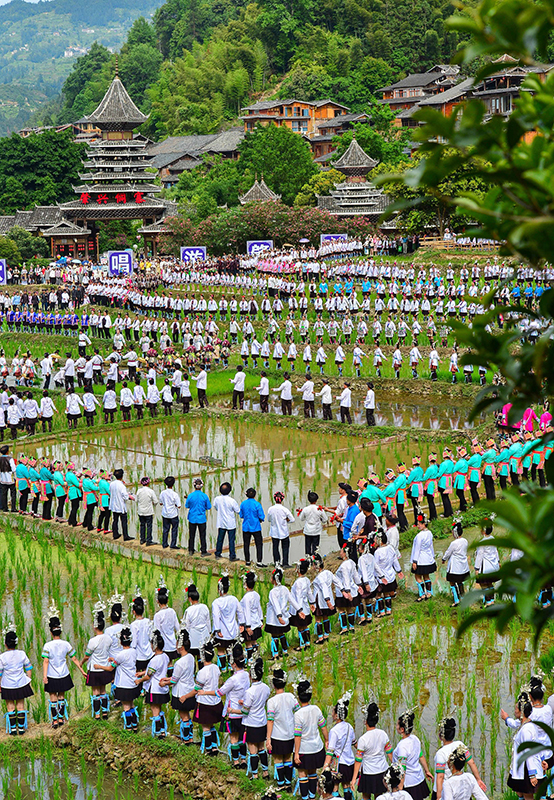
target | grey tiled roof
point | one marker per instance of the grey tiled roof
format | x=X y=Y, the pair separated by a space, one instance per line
x=259 y=192
x=448 y=95
x=412 y=81
x=117 y=107
x=354 y=158
x=6 y=224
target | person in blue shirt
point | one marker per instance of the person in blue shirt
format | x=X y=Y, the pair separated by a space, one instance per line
x=252 y=516
x=198 y=503
x=352 y=512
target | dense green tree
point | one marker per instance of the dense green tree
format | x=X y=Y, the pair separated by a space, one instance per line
x=28 y=244
x=139 y=66
x=319 y=184
x=9 y=251
x=380 y=139
x=216 y=183
x=85 y=68
x=40 y=169
x=283 y=158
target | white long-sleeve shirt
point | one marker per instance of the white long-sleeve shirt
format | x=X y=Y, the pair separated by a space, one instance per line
x=486 y=557
x=278 y=517
x=118 y=497
x=278 y=605
x=462 y=787
x=227 y=615
x=313 y=519
x=423 y=552
x=456 y=555
x=386 y=563
x=286 y=390
x=252 y=609
x=345 y=398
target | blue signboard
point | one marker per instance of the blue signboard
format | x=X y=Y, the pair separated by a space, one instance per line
x=254 y=248
x=332 y=237
x=3 y=272
x=193 y=253
x=120 y=262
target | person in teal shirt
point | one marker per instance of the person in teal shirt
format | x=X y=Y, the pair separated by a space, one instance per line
x=90 y=496
x=74 y=494
x=474 y=470
x=430 y=485
x=34 y=482
x=415 y=484
x=527 y=453
x=460 y=475
x=104 y=492
x=46 y=476
x=502 y=464
x=374 y=494
x=445 y=481
x=488 y=465
x=60 y=490
x=514 y=454
x=400 y=488
x=389 y=492
x=23 y=487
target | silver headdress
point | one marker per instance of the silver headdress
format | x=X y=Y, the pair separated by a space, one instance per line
x=182 y=636
x=51 y=612
x=301 y=679
x=277 y=574
x=10 y=628
x=322 y=778
x=114 y=600
x=342 y=705
x=460 y=752
x=394 y=771
x=161 y=585
x=446 y=722
x=406 y=719
x=208 y=644
x=253 y=661
x=99 y=607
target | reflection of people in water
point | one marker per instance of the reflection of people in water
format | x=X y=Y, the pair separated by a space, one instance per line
x=415 y=421
x=434 y=422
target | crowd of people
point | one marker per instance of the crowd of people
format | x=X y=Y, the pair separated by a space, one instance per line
x=183 y=664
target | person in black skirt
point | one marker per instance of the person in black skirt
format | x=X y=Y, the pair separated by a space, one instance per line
x=124 y=662
x=309 y=750
x=97 y=657
x=280 y=729
x=255 y=719
x=209 y=708
x=423 y=558
x=15 y=682
x=341 y=740
x=183 y=693
x=55 y=672
x=156 y=692
x=371 y=757
x=458 y=565
x=234 y=691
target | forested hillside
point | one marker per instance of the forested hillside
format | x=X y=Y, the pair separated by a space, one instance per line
x=40 y=43
x=199 y=61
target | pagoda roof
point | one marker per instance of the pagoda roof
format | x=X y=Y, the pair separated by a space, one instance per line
x=117 y=187
x=355 y=160
x=151 y=207
x=117 y=108
x=259 y=192
x=120 y=176
x=65 y=227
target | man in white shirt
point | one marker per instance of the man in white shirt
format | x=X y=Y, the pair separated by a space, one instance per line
x=69 y=373
x=263 y=390
x=170 y=503
x=201 y=385
x=227 y=509
x=345 y=399
x=46 y=366
x=369 y=405
x=308 y=396
x=238 y=381
x=286 y=395
x=326 y=395
x=118 y=505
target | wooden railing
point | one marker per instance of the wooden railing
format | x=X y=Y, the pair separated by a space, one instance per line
x=436 y=243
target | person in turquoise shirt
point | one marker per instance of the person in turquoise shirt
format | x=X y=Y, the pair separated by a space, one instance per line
x=374 y=494
x=389 y=492
x=430 y=485
x=502 y=464
x=527 y=453
x=474 y=469
x=60 y=490
x=104 y=493
x=460 y=475
x=445 y=481
x=90 y=497
x=74 y=494
x=400 y=488
x=46 y=476
x=514 y=453
x=415 y=484
x=488 y=466
x=34 y=483
x=22 y=477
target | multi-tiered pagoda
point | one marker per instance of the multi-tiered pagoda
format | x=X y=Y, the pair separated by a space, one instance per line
x=116 y=184
x=356 y=195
